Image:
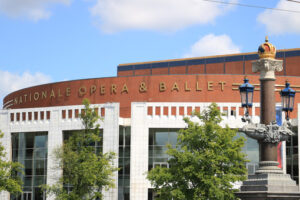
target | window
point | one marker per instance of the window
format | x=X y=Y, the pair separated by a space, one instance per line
x=30 y=149
x=292 y=165
x=124 y=163
x=158 y=138
x=161 y=164
x=251 y=149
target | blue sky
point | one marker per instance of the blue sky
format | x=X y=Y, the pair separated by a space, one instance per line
x=55 y=40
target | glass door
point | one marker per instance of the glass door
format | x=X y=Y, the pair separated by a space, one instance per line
x=27 y=196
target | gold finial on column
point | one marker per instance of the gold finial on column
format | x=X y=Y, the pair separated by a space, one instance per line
x=266 y=49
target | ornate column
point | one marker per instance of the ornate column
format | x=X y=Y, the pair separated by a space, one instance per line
x=267 y=66
x=268 y=182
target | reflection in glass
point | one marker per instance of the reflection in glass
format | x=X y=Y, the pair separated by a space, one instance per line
x=124 y=163
x=251 y=149
x=292 y=163
x=158 y=138
x=173 y=137
x=30 y=149
x=161 y=138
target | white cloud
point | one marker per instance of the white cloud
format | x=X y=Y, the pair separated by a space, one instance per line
x=279 y=22
x=10 y=82
x=161 y=15
x=31 y=9
x=211 y=44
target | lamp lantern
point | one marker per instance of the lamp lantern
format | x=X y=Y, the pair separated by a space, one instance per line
x=246 y=91
x=287 y=99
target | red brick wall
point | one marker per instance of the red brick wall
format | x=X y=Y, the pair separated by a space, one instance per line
x=125 y=73
x=178 y=70
x=142 y=72
x=216 y=68
x=160 y=71
x=293 y=66
x=248 y=67
x=196 y=69
x=234 y=67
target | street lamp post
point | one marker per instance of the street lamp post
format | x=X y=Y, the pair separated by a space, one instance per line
x=269 y=181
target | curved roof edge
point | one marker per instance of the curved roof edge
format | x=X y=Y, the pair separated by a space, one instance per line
x=203 y=57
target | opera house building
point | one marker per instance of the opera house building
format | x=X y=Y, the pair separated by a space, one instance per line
x=141 y=108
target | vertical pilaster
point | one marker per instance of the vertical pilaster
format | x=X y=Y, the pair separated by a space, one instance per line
x=111 y=143
x=298 y=118
x=5 y=141
x=283 y=147
x=55 y=140
x=139 y=152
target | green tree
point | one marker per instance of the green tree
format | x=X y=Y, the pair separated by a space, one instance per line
x=87 y=172
x=9 y=181
x=205 y=162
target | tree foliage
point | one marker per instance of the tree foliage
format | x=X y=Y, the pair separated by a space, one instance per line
x=87 y=171
x=204 y=164
x=9 y=181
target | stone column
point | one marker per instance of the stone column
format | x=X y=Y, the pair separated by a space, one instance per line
x=267 y=68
